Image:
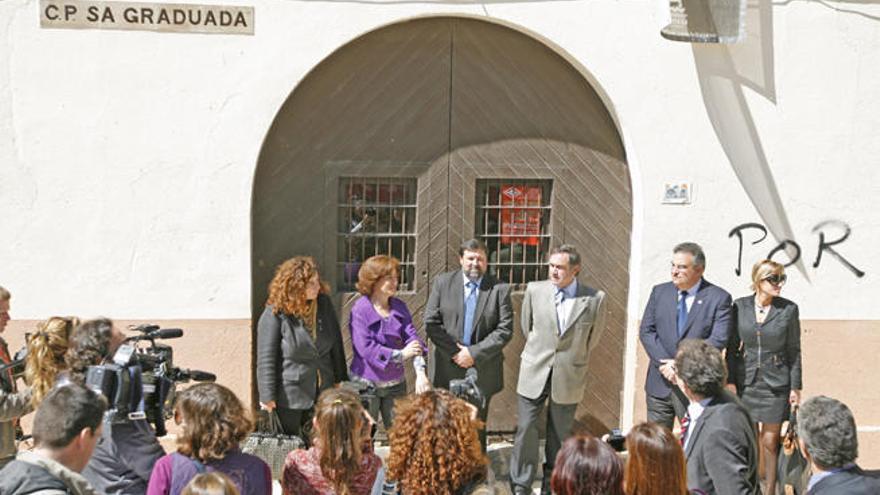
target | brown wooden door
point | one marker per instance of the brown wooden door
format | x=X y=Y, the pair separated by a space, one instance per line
x=451 y=103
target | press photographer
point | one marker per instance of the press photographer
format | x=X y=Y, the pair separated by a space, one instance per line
x=137 y=382
x=13 y=404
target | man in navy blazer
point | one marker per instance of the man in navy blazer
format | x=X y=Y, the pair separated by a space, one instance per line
x=688 y=307
x=828 y=439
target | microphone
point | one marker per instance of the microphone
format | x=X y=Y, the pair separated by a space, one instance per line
x=201 y=376
x=165 y=333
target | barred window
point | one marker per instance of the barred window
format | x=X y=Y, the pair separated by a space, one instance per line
x=376 y=216
x=513 y=219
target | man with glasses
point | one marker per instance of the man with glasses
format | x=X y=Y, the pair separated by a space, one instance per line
x=688 y=307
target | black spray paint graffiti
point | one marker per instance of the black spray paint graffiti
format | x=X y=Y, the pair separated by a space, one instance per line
x=824 y=244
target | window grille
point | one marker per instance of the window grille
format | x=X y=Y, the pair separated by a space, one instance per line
x=376 y=216
x=513 y=219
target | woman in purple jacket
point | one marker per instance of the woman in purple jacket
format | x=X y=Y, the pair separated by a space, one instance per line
x=383 y=335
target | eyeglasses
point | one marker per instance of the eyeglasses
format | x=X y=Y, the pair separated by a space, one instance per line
x=776 y=279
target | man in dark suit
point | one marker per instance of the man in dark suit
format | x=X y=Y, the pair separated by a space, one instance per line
x=469 y=319
x=827 y=436
x=562 y=321
x=688 y=307
x=719 y=437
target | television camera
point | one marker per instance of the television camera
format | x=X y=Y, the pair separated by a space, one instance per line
x=141 y=380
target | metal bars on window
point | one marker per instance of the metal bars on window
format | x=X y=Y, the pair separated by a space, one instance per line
x=513 y=219
x=375 y=215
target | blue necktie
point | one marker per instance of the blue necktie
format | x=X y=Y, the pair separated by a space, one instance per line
x=470 y=306
x=682 y=312
x=560 y=315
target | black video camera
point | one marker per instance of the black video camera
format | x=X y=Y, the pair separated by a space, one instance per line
x=140 y=382
x=367 y=393
x=466 y=388
x=616 y=440
x=16 y=366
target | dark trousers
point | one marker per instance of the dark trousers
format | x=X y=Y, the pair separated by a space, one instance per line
x=386 y=397
x=483 y=414
x=296 y=421
x=525 y=457
x=664 y=410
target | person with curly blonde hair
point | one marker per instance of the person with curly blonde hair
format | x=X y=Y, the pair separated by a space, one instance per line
x=213 y=423
x=299 y=344
x=340 y=461
x=46 y=350
x=383 y=336
x=435 y=448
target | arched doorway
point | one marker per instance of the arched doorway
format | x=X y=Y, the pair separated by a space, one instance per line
x=421 y=127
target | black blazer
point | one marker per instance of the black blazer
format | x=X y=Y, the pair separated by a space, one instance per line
x=722 y=453
x=779 y=352
x=493 y=329
x=288 y=361
x=708 y=319
x=853 y=481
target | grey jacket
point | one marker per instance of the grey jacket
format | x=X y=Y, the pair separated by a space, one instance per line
x=492 y=330
x=12 y=405
x=567 y=356
x=777 y=352
x=722 y=455
x=31 y=474
x=289 y=361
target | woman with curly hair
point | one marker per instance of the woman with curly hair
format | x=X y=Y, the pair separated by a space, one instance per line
x=46 y=350
x=586 y=465
x=435 y=448
x=340 y=461
x=655 y=464
x=299 y=344
x=383 y=336
x=213 y=422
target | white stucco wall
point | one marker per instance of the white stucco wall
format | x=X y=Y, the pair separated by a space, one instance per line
x=127 y=158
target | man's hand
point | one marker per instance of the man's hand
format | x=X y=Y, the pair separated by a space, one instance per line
x=794 y=397
x=422 y=382
x=463 y=358
x=268 y=406
x=412 y=350
x=667 y=369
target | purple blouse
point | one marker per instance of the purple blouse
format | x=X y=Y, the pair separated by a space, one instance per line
x=173 y=472
x=374 y=340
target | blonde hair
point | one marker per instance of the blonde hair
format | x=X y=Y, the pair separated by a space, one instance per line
x=45 y=355
x=764 y=269
x=213 y=483
x=4 y=294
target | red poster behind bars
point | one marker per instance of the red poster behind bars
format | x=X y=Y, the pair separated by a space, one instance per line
x=520 y=214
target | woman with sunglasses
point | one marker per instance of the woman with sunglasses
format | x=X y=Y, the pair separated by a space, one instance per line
x=764 y=358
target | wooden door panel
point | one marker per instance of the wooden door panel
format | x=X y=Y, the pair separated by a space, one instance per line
x=521 y=111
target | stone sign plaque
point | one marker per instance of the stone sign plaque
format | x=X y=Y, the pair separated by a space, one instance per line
x=136 y=16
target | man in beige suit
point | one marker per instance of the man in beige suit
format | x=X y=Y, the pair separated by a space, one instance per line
x=562 y=321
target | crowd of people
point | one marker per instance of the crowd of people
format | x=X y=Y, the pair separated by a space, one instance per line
x=728 y=371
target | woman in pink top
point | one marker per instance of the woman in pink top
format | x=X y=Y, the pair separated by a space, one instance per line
x=341 y=460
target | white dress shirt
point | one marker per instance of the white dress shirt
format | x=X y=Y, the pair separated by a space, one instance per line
x=563 y=310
